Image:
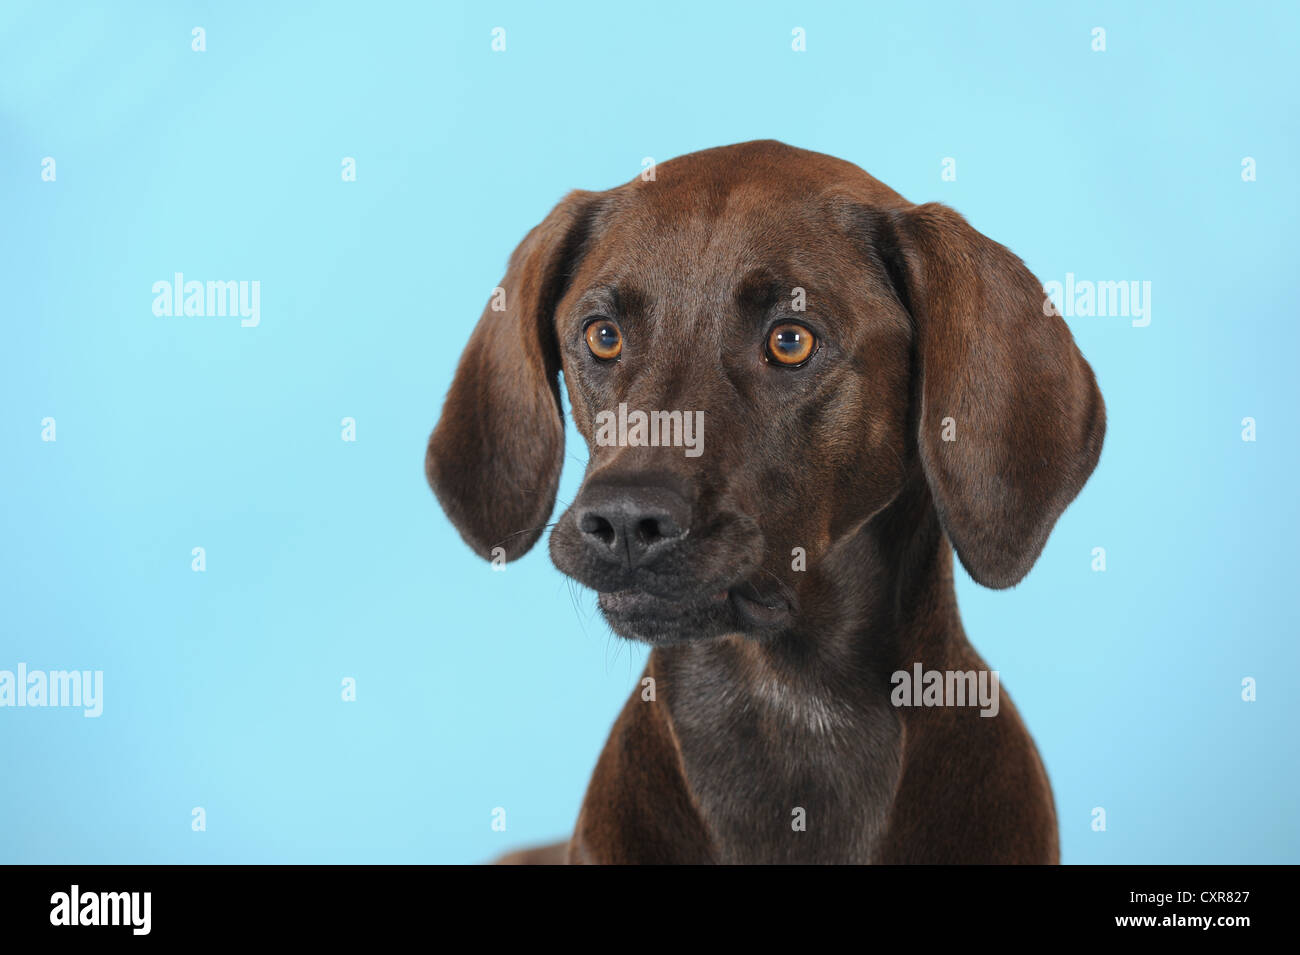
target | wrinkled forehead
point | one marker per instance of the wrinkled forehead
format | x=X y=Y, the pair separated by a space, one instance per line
x=726 y=241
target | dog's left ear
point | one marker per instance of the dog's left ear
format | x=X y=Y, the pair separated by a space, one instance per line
x=1010 y=422
x=494 y=458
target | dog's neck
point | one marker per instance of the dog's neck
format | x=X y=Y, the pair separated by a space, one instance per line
x=800 y=729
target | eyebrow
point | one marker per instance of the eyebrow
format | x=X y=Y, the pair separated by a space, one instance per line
x=760 y=290
x=599 y=296
x=621 y=300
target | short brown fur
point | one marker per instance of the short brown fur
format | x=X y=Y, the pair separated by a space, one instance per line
x=772 y=684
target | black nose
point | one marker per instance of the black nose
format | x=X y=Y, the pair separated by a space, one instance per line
x=632 y=526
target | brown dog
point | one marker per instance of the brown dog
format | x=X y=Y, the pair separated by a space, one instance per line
x=859 y=386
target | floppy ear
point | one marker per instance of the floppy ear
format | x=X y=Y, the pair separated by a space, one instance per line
x=1027 y=420
x=494 y=458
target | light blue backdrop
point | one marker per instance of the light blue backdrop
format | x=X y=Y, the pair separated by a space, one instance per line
x=328 y=559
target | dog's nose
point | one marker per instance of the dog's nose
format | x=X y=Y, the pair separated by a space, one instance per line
x=632 y=526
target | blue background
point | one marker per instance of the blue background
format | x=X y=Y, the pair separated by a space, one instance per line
x=328 y=559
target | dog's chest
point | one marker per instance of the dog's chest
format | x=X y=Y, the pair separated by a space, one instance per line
x=781 y=776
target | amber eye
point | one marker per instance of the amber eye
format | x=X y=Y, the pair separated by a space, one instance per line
x=790 y=344
x=604 y=339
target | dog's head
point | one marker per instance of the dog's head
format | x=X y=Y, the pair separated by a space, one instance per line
x=763 y=347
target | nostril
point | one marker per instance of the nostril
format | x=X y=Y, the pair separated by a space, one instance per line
x=649 y=531
x=630 y=526
x=656 y=530
x=598 y=527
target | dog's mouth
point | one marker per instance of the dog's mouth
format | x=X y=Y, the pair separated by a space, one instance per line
x=765 y=611
x=738 y=609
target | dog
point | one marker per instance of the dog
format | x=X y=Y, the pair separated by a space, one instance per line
x=880 y=386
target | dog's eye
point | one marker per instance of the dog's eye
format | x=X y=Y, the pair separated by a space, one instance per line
x=790 y=344
x=604 y=339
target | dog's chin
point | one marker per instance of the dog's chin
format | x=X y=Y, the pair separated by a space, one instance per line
x=661 y=621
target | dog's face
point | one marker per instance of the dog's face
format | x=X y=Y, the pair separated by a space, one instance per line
x=762 y=347
x=792 y=382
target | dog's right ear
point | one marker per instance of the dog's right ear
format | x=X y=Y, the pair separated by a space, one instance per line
x=494 y=458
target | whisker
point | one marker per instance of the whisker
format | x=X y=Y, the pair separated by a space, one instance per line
x=781 y=585
x=564 y=505
x=526 y=530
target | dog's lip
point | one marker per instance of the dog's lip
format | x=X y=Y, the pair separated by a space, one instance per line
x=637 y=600
x=761 y=611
